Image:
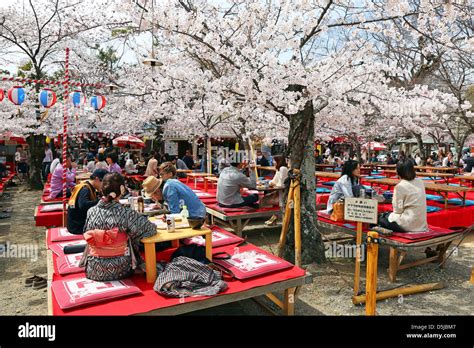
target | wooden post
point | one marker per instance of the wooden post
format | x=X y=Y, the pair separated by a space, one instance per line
x=371 y=275
x=357 y=260
x=286 y=220
x=297 y=219
x=472 y=275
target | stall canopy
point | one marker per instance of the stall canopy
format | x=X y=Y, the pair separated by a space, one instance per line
x=374 y=146
x=9 y=138
x=128 y=140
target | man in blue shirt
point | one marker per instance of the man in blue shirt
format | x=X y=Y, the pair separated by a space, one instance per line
x=176 y=194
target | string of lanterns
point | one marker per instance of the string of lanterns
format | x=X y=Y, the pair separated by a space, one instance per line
x=47 y=98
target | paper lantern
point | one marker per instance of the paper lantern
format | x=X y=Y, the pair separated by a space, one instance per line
x=47 y=97
x=16 y=95
x=48 y=140
x=98 y=102
x=2 y=94
x=77 y=98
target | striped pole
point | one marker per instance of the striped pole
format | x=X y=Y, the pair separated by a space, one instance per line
x=65 y=120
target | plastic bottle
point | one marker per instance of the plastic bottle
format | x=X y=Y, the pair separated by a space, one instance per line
x=140 y=204
x=185 y=214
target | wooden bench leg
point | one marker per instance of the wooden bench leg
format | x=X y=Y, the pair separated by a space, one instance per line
x=289 y=302
x=208 y=238
x=393 y=264
x=238 y=227
x=442 y=253
x=150 y=262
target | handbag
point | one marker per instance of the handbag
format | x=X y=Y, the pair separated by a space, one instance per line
x=338 y=211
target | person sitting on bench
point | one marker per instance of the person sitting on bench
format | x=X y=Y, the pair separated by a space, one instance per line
x=175 y=194
x=231 y=180
x=347 y=185
x=83 y=198
x=57 y=178
x=113 y=234
x=409 y=202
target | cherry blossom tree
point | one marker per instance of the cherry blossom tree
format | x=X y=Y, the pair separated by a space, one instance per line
x=292 y=59
x=433 y=48
x=39 y=32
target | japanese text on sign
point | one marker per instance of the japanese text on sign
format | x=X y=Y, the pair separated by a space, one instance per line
x=360 y=210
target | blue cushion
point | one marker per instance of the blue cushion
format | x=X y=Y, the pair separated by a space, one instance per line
x=329 y=183
x=435 y=198
x=351 y=226
x=454 y=185
x=367 y=187
x=432 y=209
x=458 y=201
x=322 y=190
x=374 y=177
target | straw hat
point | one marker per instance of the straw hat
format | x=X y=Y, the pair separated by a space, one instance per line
x=150 y=185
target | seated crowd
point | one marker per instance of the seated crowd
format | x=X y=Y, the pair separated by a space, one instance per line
x=95 y=211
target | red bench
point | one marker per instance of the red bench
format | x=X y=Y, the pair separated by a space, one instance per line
x=238 y=218
x=400 y=244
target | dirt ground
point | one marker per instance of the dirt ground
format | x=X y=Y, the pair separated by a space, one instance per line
x=329 y=294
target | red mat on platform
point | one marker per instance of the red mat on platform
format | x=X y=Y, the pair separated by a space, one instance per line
x=150 y=300
x=454 y=216
x=48 y=219
x=433 y=232
x=322 y=198
x=220 y=237
x=45 y=198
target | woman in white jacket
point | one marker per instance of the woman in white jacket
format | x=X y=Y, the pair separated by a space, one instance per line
x=409 y=202
x=278 y=181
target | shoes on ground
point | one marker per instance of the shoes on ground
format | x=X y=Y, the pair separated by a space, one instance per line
x=272 y=221
x=29 y=281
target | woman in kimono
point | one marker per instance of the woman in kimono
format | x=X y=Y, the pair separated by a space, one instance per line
x=113 y=233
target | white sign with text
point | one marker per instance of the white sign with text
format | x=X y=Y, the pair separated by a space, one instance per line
x=360 y=210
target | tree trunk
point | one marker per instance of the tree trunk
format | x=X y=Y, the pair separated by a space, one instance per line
x=459 y=144
x=358 y=152
x=424 y=150
x=301 y=148
x=36 y=147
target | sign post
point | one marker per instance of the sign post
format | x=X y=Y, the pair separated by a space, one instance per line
x=359 y=210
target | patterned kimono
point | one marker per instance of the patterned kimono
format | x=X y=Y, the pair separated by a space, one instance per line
x=109 y=215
